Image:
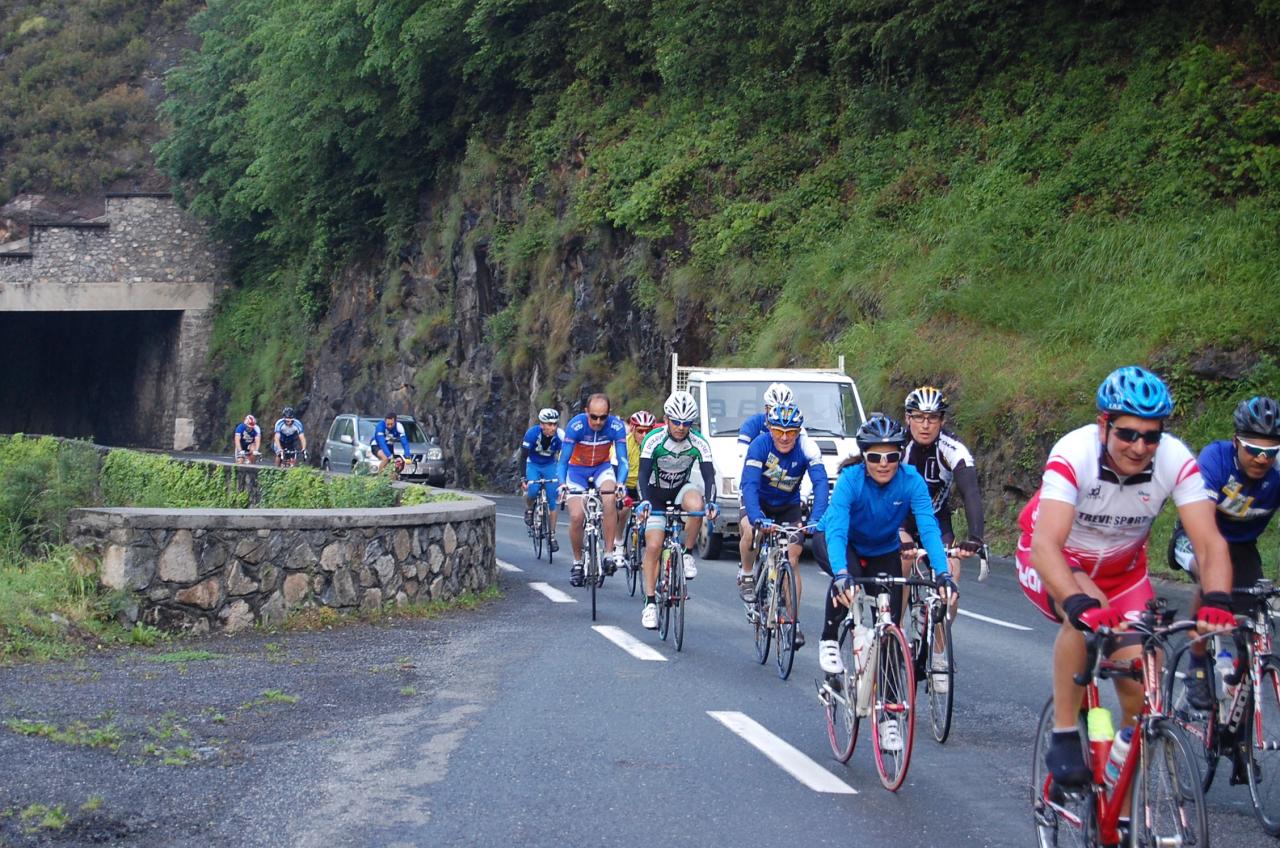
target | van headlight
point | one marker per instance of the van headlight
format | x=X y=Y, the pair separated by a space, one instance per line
x=729 y=485
x=435 y=453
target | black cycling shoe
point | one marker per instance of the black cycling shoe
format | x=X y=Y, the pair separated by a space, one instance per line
x=610 y=565
x=797 y=640
x=576 y=575
x=1199 y=691
x=528 y=517
x=1065 y=761
x=555 y=546
x=1240 y=774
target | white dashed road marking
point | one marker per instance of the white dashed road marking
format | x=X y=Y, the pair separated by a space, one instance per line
x=786 y=757
x=989 y=620
x=506 y=566
x=554 y=594
x=628 y=643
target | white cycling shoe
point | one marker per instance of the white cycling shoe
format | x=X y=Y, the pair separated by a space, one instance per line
x=690 y=567
x=829 y=659
x=890 y=738
x=649 y=618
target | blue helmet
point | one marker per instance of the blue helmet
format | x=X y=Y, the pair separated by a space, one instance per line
x=880 y=429
x=785 y=416
x=1258 y=416
x=1133 y=390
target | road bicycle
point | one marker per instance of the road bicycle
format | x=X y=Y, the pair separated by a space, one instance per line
x=1244 y=723
x=592 y=538
x=633 y=546
x=540 y=530
x=774 y=610
x=248 y=457
x=670 y=590
x=878 y=681
x=1158 y=777
x=289 y=457
x=932 y=648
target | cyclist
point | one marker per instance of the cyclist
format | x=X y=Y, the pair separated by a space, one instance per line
x=666 y=479
x=540 y=454
x=247 y=439
x=1240 y=474
x=1082 y=557
x=755 y=425
x=771 y=473
x=858 y=536
x=288 y=435
x=639 y=425
x=588 y=438
x=388 y=428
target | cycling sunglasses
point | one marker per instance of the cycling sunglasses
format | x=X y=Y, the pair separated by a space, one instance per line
x=597 y=417
x=1258 y=450
x=1128 y=435
x=782 y=432
x=677 y=423
x=887 y=457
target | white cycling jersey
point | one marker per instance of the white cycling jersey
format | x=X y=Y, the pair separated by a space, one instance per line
x=1113 y=514
x=936 y=463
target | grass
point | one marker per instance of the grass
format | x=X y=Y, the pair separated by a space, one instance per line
x=40 y=817
x=323 y=618
x=269 y=697
x=77 y=733
x=186 y=656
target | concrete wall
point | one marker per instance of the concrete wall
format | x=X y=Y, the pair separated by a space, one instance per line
x=200 y=570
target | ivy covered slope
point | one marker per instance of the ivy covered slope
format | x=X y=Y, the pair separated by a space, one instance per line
x=1004 y=198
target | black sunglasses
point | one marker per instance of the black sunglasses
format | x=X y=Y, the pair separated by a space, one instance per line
x=876 y=457
x=1128 y=435
x=597 y=417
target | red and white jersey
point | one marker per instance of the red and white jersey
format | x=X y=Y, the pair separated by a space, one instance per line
x=1113 y=513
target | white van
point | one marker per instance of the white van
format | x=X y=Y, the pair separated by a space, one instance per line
x=727 y=397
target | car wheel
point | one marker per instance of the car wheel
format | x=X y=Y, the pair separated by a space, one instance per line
x=324 y=464
x=709 y=543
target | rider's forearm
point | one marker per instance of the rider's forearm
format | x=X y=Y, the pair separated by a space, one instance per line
x=646 y=469
x=967 y=484
x=1051 y=565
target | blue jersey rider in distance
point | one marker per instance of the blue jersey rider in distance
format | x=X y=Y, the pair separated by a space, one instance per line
x=388 y=429
x=858 y=536
x=588 y=440
x=288 y=435
x=755 y=425
x=771 y=473
x=1240 y=475
x=247 y=439
x=540 y=455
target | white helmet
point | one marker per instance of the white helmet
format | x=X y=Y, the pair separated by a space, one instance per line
x=681 y=407
x=548 y=415
x=778 y=393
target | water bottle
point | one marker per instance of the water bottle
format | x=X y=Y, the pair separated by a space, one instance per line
x=1119 y=750
x=1224 y=666
x=1101 y=735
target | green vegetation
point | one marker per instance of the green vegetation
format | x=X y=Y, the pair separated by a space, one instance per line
x=270 y=696
x=76 y=733
x=187 y=656
x=38 y=817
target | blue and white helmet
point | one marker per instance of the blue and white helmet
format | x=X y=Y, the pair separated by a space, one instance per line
x=548 y=415
x=880 y=429
x=785 y=416
x=778 y=393
x=1133 y=390
x=1258 y=416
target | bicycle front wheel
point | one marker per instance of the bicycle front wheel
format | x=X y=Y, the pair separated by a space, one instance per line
x=664 y=593
x=788 y=606
x=593 y=570
x=1200 y=727
x=760 y=616
x=1262 y=730
x=841 y=702
x=539 y=528
x=940 y=677
x=677 y=597
x=1167 y=802
x=1059 y=819
x=893 y=726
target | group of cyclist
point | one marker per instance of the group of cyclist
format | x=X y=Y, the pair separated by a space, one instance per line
x=288 y=440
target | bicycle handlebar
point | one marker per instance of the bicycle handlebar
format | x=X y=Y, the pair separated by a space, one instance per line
x=678 y=513
x=1093 y=643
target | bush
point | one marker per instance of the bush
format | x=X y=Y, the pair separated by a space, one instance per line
x=130 y=478
x=40 y=480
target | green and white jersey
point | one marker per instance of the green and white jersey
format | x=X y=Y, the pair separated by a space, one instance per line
x=673 y=461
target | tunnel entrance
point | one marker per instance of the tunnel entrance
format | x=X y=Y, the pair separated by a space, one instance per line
x=108 y=376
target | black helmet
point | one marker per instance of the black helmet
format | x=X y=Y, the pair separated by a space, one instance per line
x=1258 y=416
x=880 y=429
x=288 y=412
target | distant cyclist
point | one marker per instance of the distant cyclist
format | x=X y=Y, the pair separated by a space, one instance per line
x=1082 y=557
x=755 y=425
x=540 y=454
x=771 y=474
x=589 y=439
x=389 y=429
x=288 y=436
x=666 y=479
x=639 y=425
x=247 y=440
x=1240 y=474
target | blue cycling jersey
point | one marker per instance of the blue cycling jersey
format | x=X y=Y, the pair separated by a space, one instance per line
x=246 y=433
x=751 y=428
x=289 y=430
x=589 y=448
x=542 y=449
x=1244 y=506
x=868 y=515
x=380 y=434
x=772 y=478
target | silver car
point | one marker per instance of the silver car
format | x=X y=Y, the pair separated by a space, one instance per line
x=349 y=445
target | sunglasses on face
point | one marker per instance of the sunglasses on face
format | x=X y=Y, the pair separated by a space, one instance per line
x=925 y=417
x=1128 y=435
x=886 y=458
x=780 y=433
x=674 y=423
x=1258 y=450
x=597 y=417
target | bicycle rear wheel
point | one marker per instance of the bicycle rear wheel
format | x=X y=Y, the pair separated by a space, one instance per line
x=539 y=527
x=760 y=618
x=664 y=593
x=1199 y=726
x=1059 y=819
x=678 y=596
x=841 y=707
x=1167 y=802
x=940 y=684
x=593 y=570
x=1262 y=730
x=895 y=695
x=635 y=558
x=786 y=618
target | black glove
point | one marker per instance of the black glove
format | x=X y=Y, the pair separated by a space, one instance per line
x=844 y=582
x=947 y=582
x=1078 y=604
x=971 y=545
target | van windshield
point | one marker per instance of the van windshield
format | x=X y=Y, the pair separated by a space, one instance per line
x=829 y=408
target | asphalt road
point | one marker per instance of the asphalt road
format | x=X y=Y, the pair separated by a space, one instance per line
x=521 y=724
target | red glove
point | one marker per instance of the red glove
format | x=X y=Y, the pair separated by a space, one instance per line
x=1099 y=617
x=1214 y=613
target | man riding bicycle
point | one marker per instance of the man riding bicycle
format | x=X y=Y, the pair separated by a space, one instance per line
x=288 y=436
x=666 y=480
x=858 y=536
x=247 y=439
x=639 y=425
x=1082 y=557
x=771 y=473
x=540 y=455
x=755 y=425
x=1240 y=475
x=588 y=439
x=388 y=429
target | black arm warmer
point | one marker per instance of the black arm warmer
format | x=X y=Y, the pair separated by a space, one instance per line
x=709 y=480
x=524 y=456
x=646 y=469
x=967 y=484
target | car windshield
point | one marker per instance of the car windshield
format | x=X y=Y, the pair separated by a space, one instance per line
x=414 y=432
x=828 y=408
x=411 y=429
x=366 y=430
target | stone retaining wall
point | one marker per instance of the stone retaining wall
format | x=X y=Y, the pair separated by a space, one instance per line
x=201 y=570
